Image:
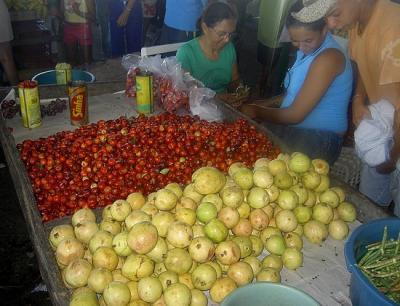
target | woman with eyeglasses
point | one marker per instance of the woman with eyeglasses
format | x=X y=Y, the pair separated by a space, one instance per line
x=312 y=117
x=211 y=57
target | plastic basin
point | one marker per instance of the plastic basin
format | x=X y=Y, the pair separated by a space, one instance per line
x=362 y=291
x=268 y=294
x=49 y=77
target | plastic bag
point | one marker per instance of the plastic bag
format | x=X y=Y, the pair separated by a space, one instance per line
x=131 y=63
x=201 y=104
x=136 y=64
x=174 y=91
x=172 y=86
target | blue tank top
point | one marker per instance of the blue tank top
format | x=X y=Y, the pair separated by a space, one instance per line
x=330 y=113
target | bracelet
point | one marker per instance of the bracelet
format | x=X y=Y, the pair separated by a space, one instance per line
x=128 y=9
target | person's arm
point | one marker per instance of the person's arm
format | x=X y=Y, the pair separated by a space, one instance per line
x=90 y=15
x=359 y=106
x=275 y=101
x=123 y=18
x=390 y=165
x=323 y=71
x=235 y=79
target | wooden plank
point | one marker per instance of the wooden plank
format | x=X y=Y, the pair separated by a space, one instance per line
x=39 y=232
x=44 y=254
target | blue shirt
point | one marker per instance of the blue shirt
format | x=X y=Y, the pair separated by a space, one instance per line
x=183 y=14
x=330 y=113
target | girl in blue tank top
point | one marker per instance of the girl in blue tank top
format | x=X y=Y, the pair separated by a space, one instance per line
x=312 y=117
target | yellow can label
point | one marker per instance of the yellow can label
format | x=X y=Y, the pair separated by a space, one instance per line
x=144 y=93
x=30 y=107
x=63 y=76
x=63 y=73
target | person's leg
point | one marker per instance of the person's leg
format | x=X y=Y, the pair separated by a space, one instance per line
x=70 y=43
x=70 y=52
x=117 y=33
x=87 y=54
x=134 y=29
x=7 y=61
x=375 y=186
x=86 y=42
x=395 y=191
x=102 y=13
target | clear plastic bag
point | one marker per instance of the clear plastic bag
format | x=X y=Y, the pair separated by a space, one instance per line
x=173 y=88
x=201 y=104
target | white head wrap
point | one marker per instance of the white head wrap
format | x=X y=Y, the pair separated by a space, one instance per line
x=313 y=10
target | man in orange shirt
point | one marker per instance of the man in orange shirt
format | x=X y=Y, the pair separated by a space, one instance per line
x=374 y=45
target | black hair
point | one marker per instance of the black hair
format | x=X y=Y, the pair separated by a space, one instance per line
x=217 y=12
x=316 y=26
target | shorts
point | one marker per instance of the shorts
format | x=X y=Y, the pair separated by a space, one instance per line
x=395 y=190
x=313 y=142
x=78 y=32
x=375 y=186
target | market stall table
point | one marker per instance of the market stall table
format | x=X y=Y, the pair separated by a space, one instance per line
x=323 y=275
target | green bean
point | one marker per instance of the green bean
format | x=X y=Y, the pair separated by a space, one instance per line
x=393 y=260
x=398 y=244
x=381 y=265
x=382 y=248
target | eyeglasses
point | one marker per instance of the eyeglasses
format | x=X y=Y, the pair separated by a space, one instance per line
x=224 y=35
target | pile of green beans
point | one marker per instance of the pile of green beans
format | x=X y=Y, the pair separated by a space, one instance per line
x=381 y=265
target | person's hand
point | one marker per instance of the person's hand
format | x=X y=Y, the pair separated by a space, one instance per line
x=360 y=111
x=123 y=18
x=250 y=110
x=387 y=167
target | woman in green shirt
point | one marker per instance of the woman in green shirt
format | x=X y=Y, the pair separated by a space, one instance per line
x=211 y=57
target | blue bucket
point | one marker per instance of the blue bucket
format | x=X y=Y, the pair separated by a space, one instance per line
x=49 y=77
x=362 y=291
x=268 y=294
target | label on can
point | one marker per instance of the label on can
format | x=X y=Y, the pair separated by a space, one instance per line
x=78 y=104
x=63 y=73
x=28 y=93
x=144 y=93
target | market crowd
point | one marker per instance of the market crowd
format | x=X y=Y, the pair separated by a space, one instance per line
x=326 y=89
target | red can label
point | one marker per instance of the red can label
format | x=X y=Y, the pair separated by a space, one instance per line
x=78 y=105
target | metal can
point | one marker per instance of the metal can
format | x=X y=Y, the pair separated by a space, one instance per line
x=144 y=93
x=78 y=103
x=63 y=73
x=28 y=93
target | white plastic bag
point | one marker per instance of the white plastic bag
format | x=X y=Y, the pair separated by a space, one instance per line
x=202 y=106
